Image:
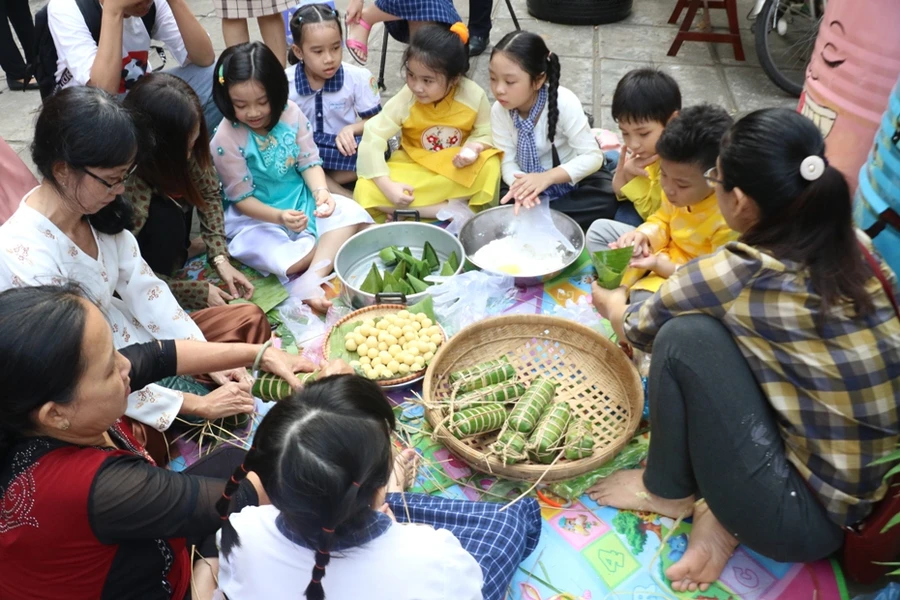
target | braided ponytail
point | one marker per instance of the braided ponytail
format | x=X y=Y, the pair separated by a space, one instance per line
x=552 y=102
x=315 y=591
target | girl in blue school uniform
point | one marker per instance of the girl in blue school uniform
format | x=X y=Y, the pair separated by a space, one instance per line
x=337 y=97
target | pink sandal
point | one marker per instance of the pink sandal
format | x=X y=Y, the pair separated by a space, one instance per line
x=355 y=47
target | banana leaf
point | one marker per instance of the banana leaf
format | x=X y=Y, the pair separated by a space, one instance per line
x=447 y=269
x=454 y=261
x=611 y=266
x=387 y=256
x=373 y=283
x=430 y=256
x=390 y=281
x=400 y=271
x=417 y=284
x=336 y=342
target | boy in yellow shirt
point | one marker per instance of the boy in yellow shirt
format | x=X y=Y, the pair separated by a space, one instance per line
x=645 y=100
x=688 y=223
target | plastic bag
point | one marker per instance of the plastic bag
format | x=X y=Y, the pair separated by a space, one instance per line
x=309 y=284
x=458 y=213
x=891 y=592
x=460 y=300
x=582 y=311
x=536 y=225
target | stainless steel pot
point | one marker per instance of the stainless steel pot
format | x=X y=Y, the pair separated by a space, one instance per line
x=355 y=258
x=493 y=224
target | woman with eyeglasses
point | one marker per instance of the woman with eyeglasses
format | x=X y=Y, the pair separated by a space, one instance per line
x=775 y=370
x=73 y=226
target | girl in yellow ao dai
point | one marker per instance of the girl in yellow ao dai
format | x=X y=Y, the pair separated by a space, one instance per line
x=444 y=118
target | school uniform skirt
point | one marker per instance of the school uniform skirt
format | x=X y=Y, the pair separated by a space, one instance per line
x=273 y=249
x=245 y=9
x=436 y=11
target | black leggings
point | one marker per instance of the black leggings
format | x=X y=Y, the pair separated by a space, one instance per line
x=715 y=436
x=17 y=13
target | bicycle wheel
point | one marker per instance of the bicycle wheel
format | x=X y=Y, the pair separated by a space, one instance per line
x=786 y=33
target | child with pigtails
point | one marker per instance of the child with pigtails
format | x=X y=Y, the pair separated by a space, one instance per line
x=340 y=526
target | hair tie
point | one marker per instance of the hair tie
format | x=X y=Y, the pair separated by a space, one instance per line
x=326 y=530
x=460 y=29
x=226 y=496
x=319 y=568
x=224 y=517
x=325 y=552
x=222 y=74
x=549 y=56
x=355 y=484
x=243 y=468
x=316 y=581
x=812 y=167
x=235 y=481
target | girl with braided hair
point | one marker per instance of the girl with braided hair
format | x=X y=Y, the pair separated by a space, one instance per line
x=325 y=460
x=548 y=148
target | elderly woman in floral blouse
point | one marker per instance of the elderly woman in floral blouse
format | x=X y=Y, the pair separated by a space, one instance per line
x=174 y=175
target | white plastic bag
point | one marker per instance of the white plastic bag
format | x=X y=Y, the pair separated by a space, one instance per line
x=536 y=225
x=458 y=213
x=309 y=284
x=460 y=300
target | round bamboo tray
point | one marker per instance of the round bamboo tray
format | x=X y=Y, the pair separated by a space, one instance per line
x=595 y=377
x=373 y=312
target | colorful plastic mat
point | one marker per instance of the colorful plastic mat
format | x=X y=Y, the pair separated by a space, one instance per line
x=589 y=552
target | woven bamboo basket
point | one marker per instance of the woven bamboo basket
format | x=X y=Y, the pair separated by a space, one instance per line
x=373 y=312
x=595 y=378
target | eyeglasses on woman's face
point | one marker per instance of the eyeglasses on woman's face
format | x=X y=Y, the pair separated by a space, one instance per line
x=110 y=186
x=712 y=177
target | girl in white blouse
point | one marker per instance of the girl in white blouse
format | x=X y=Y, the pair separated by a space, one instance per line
x=340 y=527
x=548 y=148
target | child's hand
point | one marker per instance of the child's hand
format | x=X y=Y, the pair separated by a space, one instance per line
x=467 y=155
x=634 y=165
x=603 y=298
x=295 y=220
x=346 y=141
x=324 y=203
x=637 y=239
x=527 y=188
x=648 y=263
x=399 y=194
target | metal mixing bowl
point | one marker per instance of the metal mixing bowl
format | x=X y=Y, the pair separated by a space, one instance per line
x=493 y=224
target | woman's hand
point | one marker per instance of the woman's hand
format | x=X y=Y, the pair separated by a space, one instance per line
x=637 y=239
x=233 y=398
x=346 y=141
x=324 y=203
x=354 y=11
x=279 y=362
x=217 y=297
x=399 y=194
x=611 y=305
x=238 y=284
x=527 y=188
x=467 y=155
x=295 y=220
x=335 y=367
x=223 y=377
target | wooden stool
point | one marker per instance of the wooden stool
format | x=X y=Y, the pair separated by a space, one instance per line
x=685 y=34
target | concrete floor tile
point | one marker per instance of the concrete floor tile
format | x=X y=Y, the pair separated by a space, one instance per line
x=752 y=90
x=698 y=83
x=645 y=43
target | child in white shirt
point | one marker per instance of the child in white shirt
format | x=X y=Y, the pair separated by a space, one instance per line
x=548 y=148
x=337 y=97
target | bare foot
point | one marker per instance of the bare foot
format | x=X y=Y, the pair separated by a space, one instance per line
x=319 y=305
x=406 y=464
x=625 y=490
x=709 y=548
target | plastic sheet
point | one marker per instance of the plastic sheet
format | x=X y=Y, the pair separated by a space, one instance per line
x=460 y=300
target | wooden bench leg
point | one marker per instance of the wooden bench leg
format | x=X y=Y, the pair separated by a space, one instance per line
x=685 y=27
x=680 y=6
x=735 y=28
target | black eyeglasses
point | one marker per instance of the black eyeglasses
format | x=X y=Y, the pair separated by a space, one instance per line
x=109 y=185
x=712 y=177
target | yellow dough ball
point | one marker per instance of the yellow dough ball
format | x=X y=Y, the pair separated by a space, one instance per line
x=419 y=362
x=393 y=366
x=395 y=351
x=381 y=335
x=385 y=357
x=382 y=324
x=371 y=341
x=416 y=325
x=365 y=361
x=369 y=323
x=370 y=373
x=423 y=347
x=406 y=358
x=428 y=356
x=403 y=368
x=426 y=322
x=414 y=350
x=432 y=347
x=437 y=339
x=387 y=374
x=363 y=349
x=403 y=314
x=359 y=338
x=396 y=331
x=372 y=353
x=382 y=346
x=350 y=345
x=376 y=362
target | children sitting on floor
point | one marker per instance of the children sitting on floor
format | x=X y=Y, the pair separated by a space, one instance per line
x=688 y=223
x=338 y=97
x=338 y=527
x=280 y=217
x=644 y=102
x=548 y=148
x=446 y=148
